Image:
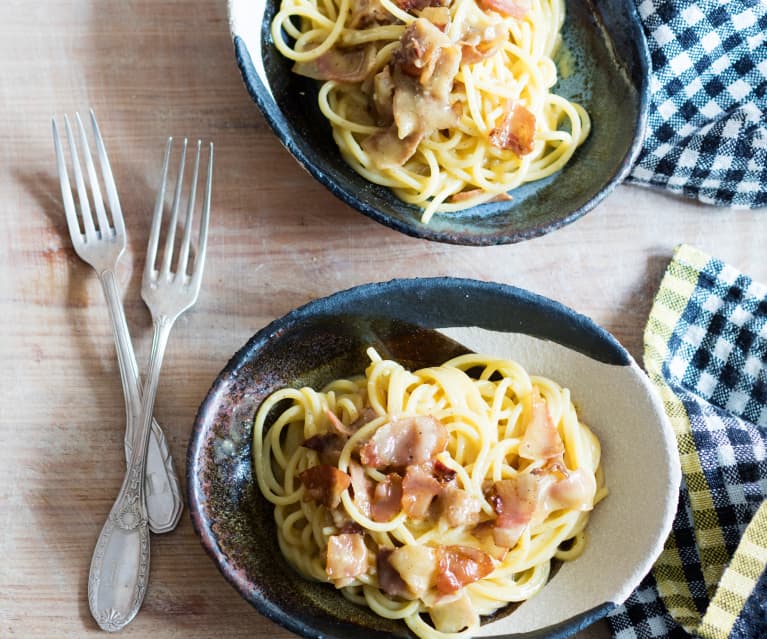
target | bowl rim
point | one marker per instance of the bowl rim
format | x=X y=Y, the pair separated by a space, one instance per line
x=614 y=354
x=281 y=128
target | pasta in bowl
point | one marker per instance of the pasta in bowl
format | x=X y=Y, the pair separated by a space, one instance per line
x=462 y=121
x=435 y=496
x=423 y=331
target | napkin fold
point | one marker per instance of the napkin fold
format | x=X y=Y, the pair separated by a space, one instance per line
x=706 y=135
x=705 y=349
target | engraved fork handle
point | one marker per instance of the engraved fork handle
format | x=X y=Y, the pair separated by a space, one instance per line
x=162 y=491
x=119 y=570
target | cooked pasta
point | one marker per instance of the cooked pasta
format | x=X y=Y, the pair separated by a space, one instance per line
x=435 y=496
x=447 y=102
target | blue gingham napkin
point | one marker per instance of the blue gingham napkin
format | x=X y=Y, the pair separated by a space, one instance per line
x=707 y=124
x=706 y=353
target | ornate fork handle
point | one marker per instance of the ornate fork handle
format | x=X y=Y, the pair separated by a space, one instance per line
x=119 y=570
x=162 y=491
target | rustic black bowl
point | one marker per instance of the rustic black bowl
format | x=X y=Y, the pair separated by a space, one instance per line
x=327 y=339
x=610 y=77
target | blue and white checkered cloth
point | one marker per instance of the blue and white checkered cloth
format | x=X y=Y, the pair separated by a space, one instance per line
x=706 y=352
x=707 y=125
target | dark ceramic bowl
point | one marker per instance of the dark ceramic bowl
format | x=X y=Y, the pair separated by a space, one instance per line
x=610 y=79
x=424 y=322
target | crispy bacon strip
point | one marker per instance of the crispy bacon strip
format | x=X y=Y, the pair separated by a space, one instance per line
x=516 y=132
x=459 y=566
x=324 y=484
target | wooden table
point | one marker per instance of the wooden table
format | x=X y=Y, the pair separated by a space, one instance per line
x=152 y=69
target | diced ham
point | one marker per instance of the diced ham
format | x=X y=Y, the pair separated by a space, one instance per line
x=455 y=615
x=419 y=488
x=458 y=507
x=515 y=501
x=417 y=566
x=341 y=65
x=404 y=441
x=346 y=558
x=514 y=8
x=459 y=566
x=327 y=445
x=387 y=498
x=389 y=579
x=324 y=484
x=541 y=439
x=516 y=132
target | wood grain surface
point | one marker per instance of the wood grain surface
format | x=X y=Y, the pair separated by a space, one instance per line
x=278 y=239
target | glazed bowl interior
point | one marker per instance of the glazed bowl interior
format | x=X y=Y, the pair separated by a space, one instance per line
x=607 y=73
x=424 y=322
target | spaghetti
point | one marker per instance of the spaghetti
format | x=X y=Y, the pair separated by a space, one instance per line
x=447 y=102
x=435 y=496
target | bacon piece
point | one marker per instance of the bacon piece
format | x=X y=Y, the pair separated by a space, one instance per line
x=337 y=425
x=383 y=94
x=341 y=65
x=443 y=474
x=419 y=5
x=515 y=8
x=404 y=441
x=389 y=579
x=327 y=445
x=388 y=151
x=459 y=566
x=419 y=488
x=324 y=484
x=346 y=558
x=454 y=615
x=366 y=13
x=387 y=498
x=467 y=195
x=485 y=534
x=362 y=487
x=516 y=132
x=438 y=15
x=478 y=44
x=417 y=566
x=515 y=502
x=458 y=507
x=575 y=492
x=541 y=439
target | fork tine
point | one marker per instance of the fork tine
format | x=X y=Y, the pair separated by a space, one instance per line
x=202 y=245
x=183 y=258
x=154 y=234
x=66 y=190
x=82 y=193
x=93 y=180
x=173 y=221
x=109 y=180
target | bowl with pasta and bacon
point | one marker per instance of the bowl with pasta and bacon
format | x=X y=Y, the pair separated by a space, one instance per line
x=463 y=121
x=432 y=458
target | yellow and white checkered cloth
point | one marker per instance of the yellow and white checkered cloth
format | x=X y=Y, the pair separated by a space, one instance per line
x=706 y=352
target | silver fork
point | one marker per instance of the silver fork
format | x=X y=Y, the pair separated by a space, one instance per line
x=100 y=244
x=120 y=565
